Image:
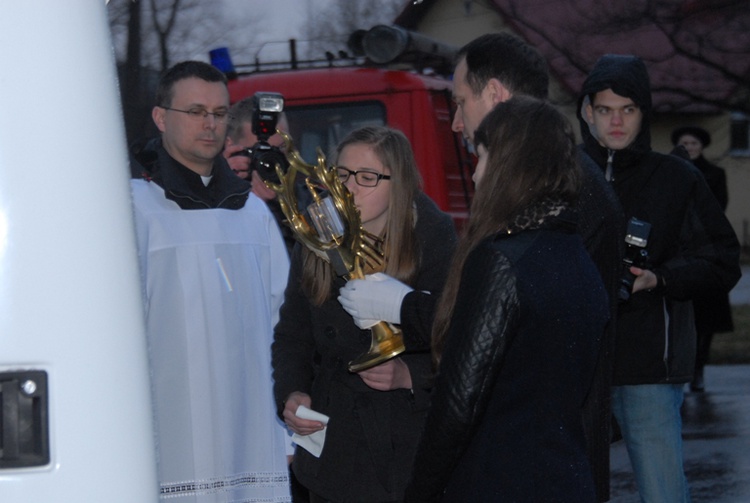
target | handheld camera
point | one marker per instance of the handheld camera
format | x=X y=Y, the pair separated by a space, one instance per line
x=636 y=239
x=267 y=108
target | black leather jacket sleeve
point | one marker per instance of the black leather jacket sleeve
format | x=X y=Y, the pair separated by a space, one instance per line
x=484 y=321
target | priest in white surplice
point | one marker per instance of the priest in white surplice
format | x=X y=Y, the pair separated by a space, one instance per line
x=214 y=269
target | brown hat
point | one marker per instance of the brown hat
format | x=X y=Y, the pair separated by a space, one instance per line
x=696 y=131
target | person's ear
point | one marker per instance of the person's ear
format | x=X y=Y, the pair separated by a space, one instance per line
x=589 y=111
x=157 y=114
x=497 y=92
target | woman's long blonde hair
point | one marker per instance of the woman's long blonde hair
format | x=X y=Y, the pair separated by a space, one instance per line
x=400 y=245
x=531 y=159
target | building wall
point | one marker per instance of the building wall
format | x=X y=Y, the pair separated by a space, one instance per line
x=450 y=22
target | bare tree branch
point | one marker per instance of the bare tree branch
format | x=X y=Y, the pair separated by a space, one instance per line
x=698 y=51
x=329 y=28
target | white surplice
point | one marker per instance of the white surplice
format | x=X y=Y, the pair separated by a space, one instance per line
x=213 y=283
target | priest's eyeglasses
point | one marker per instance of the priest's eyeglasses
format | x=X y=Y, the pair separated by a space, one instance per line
x=200 y=114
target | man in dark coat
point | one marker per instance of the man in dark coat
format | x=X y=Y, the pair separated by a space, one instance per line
x=713 y=313
x=692 y=249
x=490 y=70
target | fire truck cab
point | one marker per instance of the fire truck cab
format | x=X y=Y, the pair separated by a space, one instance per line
x=324 y=104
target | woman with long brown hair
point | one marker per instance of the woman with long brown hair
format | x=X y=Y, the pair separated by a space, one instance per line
x=517 y=330
x=375 y=414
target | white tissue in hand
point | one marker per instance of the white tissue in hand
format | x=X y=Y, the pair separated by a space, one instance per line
x=312 y=443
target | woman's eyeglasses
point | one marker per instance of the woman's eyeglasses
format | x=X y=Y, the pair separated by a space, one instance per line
x=364 y=178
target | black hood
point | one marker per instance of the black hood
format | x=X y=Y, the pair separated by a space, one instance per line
x=626 y=76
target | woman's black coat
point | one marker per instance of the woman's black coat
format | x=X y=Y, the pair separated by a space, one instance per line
x=372 y=435
x=505 y=422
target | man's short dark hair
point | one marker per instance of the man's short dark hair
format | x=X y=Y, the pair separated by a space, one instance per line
x=182 y=71
x=520 y=67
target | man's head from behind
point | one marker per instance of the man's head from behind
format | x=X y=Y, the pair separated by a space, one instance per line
x=240 y=128
x=191 y=113
x=491 y=69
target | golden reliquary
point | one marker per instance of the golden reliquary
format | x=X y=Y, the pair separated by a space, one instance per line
x=330 y=226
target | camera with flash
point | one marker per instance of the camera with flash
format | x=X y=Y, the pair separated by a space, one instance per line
x=267 y=108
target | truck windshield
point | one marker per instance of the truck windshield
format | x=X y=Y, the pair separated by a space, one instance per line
x=325 y=125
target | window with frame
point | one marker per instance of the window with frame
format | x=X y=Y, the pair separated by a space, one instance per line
x=325 y=125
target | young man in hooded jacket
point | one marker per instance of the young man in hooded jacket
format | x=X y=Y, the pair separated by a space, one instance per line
x=691 y=249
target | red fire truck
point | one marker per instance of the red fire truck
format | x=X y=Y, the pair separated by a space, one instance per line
x=391 y=85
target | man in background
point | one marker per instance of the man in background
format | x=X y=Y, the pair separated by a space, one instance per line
x=490 y=70
x=713 y=311
x=240 y=137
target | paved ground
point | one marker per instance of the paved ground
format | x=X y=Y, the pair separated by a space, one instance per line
x=716 y=433
x=740 y=294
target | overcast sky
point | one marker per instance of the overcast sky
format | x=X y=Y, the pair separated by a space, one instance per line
x=261 y=28
x=280 y=20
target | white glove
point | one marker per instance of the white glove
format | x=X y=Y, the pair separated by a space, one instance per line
x=377 y=297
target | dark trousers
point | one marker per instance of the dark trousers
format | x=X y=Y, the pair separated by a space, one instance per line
x=703 y=349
